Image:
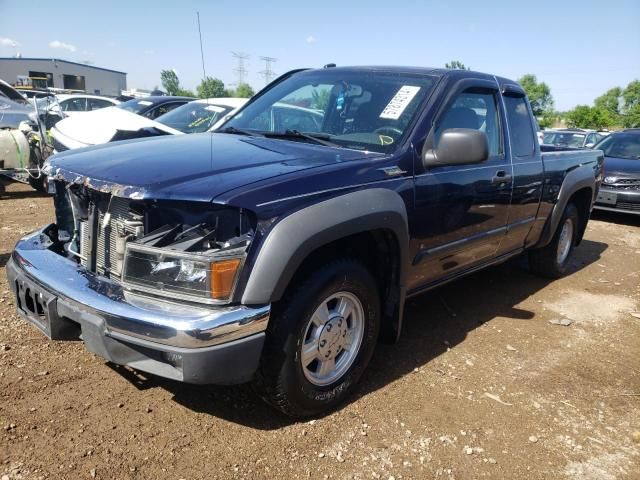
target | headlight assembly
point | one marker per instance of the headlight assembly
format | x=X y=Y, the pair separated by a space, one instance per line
x=186 y=276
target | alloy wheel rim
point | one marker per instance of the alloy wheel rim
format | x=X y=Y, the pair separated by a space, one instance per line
x=332 y=338
x=564 y=242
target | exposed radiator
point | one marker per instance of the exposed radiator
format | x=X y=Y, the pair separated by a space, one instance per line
x=121 y=224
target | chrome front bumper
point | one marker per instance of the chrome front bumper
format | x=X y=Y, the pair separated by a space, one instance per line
x=65 y=301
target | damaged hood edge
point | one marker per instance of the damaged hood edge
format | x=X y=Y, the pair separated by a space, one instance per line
x=104 y=186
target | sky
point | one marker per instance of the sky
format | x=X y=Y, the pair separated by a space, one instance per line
x=580 y=49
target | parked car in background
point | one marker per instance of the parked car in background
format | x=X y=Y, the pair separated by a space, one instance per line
x=72 y=104
x=14 y=108
x=119 y=123
x=572 y=137
x=153 y=107
x=620 y=189
x=54 y=109
x=279 y=249
x=12 y=113
x=7 y=91
x=201 y=115
x=34 y=94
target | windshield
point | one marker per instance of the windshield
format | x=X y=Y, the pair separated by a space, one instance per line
x=45 y=102
x=136 y=105
x=194 y=117
x=565 y=139
x=621 y=145
x=362 y=110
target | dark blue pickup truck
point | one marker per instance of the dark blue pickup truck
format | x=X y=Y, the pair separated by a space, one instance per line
x=282 y=248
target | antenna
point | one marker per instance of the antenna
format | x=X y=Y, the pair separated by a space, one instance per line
x=268 y=73
x=240 y=70
x=204 y=73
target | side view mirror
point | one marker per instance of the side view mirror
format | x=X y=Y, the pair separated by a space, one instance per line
x=589 y=145
x=458 y=146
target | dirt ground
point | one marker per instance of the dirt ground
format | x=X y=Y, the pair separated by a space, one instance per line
x=481 y=385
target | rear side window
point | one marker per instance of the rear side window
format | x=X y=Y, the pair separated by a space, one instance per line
x=521 y=129
x=74 y=105
x=97 y=103
x=162 y=109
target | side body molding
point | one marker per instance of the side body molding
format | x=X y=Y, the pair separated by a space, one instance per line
x=576 y=179
x=302 y=232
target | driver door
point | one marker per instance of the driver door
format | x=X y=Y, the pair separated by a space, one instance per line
x=461 y=211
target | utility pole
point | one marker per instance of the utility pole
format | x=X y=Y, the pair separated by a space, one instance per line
x=268 y=73
x=241 y=69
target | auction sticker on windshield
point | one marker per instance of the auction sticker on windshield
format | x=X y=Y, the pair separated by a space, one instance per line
x=399 y=102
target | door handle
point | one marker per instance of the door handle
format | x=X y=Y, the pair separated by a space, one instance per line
x=501 y=177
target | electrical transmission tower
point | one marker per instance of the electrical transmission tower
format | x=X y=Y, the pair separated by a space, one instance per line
x=241 y=69
x=268 y=73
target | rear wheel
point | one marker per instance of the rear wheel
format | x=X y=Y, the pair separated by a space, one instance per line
x=552 y=261
x=320 y=339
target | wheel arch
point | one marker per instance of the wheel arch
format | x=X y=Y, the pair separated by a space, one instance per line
x=374 y=219
x=577 y=187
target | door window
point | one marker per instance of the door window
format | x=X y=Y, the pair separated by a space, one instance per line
x=74 y=105
x=162 y=109
x=520 y=127
x=477 y=110
x=97 y=103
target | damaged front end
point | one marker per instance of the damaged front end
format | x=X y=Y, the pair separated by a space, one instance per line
x=189 y=251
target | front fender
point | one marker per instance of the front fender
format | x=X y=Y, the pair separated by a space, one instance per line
x=292 y=239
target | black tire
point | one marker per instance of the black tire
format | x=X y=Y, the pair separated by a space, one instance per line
x=544 y=261
x=280 y=379
x=39 y=184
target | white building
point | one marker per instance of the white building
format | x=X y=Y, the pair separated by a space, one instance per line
x=64 y=74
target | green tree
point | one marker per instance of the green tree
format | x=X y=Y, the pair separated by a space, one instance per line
x=184 y=92
x=631 y=108
x=631 y=94
x=456 y=65
x=170 y=81
x=610 y=101
x=539 y=94
x=320 y=99
x=584 y=116
x=549 y=119
x=210 y=88
x=244 y=90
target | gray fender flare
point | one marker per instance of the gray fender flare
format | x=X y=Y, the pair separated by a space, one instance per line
x=292 y=239
x=576 y=179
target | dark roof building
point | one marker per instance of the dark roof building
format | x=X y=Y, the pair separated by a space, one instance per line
x=63 y=74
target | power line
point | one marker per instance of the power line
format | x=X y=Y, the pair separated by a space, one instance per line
x=241 y=69
x=268 y=73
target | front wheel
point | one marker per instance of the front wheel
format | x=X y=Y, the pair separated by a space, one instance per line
x=320 y=339
x=553 y=260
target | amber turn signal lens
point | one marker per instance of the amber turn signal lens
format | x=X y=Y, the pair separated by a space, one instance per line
x=223 y=274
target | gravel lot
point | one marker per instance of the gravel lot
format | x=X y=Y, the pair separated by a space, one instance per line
x=481 y=385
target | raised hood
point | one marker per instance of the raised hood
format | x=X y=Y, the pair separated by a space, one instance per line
x=99 y=126
x=189 y=167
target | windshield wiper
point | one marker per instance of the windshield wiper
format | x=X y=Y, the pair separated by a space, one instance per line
x=319 y=138
x=238 y=131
